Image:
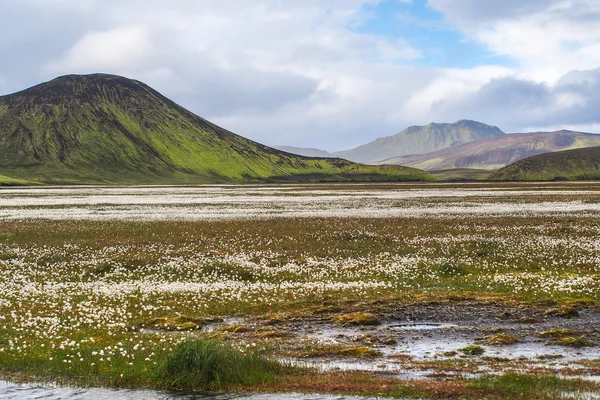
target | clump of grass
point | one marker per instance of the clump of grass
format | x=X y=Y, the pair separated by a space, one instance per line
x=472 y=350
x=572 y=341
x=211 y=365
x=565 y=311
x=362 y=352
x=501 y=339
x=559 y=333
x=358 y=318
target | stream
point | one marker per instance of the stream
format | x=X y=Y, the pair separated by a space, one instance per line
x=31 y=392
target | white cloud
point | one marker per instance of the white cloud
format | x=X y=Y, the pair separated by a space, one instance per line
x=114 y=50
x=295 y=72
x=518 y=104
x=547 y=38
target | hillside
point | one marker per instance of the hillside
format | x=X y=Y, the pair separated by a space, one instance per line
x=578 y=164
x=109 y=129
x=419 y=140
x=497 y=152
x=303 y=151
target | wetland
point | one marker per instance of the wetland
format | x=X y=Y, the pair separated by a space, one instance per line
x=396 y=290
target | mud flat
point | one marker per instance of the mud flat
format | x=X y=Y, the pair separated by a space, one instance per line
x=428 y=340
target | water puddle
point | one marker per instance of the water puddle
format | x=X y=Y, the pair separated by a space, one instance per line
x=420 y=326
x=9 y=391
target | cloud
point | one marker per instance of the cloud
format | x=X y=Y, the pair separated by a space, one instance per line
x=477 y=12
x=301 y=73
x=546 y=38
x=514 y=103
x=274 y=72
x=112 y=50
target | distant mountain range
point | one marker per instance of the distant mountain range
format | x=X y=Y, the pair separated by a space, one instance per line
x=578 y=164
x=109 y=129
x=419 y=140
x=496 y=152
x=306 y=152
x=483 y=147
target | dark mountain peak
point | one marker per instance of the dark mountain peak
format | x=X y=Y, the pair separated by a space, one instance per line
x=69 y=85
x=76 y=89
x=97 y=78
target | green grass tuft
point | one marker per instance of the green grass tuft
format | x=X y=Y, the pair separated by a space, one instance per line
x=210 y=365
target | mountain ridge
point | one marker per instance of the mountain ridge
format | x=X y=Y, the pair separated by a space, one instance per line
x=497 y=152
x=420 y=139
x=102 y=128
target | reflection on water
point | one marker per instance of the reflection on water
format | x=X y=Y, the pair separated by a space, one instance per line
x=29 y=392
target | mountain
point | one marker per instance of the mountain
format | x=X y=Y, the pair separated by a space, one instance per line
x=301 y=151
x=419 y=140
x=108 y=129
x=578 y=164
x=497 y=152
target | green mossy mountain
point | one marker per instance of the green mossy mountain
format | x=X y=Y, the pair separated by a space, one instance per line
x=107 y=129
x=578 y=164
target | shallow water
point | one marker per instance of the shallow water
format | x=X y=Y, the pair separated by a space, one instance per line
x=31 y=392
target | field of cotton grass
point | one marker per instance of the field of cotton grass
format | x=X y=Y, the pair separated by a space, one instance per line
x=100 y=285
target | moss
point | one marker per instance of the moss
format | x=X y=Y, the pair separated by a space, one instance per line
x=566 y=311
x=501 y=339
x=358 y=318
x=472 y=350
x=365 y=352
x=571 y=341
x=559 y=332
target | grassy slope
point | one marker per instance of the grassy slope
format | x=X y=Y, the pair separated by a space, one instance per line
x=108 y=129
x=497 y=152
x=579 y=164
x=460 y=174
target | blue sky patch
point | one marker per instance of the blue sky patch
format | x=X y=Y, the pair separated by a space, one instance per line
x=425 y=29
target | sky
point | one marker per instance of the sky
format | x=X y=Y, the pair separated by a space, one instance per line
x=330 y=74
